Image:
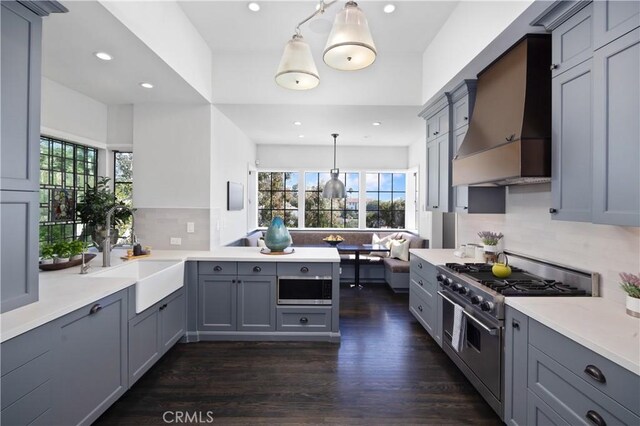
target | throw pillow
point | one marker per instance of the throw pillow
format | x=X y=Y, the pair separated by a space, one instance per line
x=261 y=243
x=400 y=249
x=386 y=241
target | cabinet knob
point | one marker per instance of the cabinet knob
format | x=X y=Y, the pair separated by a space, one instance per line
x=95 y=309
x=163 y=307
x=466 y=118
x=595 y=418
x=434 y=207
x=435 y=133
x=421 y=283
x=595 y=373
x=553 y=211
x=304 y=269
x=257 y=269
x=515 y=324
x=510 y=138
x=218 y=268
x=304 y=320
x=553 y=67
x=465 y=208
x=420 y=308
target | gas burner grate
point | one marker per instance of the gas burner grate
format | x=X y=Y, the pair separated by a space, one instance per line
x=473 y=268
x=532 y=288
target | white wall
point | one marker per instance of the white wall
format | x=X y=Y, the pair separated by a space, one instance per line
x=232 y=152
x=321 y=157
x=72 y=116
x=120 y=126
x=528 y=229
x=468 y=30
x=163 y=26
x=171 y=147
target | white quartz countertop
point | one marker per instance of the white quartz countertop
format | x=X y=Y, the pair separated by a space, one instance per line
x=440 y=256
x=596 y=323
x=64 y=291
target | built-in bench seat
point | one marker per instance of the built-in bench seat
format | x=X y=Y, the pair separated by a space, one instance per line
x=394 y=272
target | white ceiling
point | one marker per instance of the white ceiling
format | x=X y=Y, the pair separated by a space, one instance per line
x=246 y=50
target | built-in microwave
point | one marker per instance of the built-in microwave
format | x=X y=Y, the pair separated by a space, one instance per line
x=304 y=290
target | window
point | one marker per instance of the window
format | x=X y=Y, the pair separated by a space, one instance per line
x=65 y=171
x=331 y=213
x=385 y=200
x=278 y=196
x=123 y=188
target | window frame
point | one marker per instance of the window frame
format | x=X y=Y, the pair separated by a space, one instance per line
x=318 y=192
x=117 y=182
x=284 y=192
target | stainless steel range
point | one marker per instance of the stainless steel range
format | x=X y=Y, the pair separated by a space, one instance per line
x=481 y=298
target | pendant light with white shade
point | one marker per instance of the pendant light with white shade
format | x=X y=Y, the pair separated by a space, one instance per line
x=350 y=47
x=334 y=188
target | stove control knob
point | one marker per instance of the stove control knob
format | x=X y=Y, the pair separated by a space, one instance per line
x=463 y=290
x=448 y=281
x=440 y=277
x=486 y=306
x=476 y=299
x=456 y=287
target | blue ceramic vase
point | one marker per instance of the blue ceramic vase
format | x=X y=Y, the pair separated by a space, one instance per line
x=277 y=237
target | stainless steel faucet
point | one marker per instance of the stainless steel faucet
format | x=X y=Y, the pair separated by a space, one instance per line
x=106 y=247
x=85 y=266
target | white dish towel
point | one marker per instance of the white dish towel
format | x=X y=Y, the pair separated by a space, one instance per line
x=459 y=328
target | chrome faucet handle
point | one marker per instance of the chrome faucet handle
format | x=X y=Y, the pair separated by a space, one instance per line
x=84 y=267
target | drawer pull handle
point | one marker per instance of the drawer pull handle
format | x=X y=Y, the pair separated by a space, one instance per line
x=257 y=269
x=553 y=211
x=304 y=320
x=515 y=324
x=95 y=309
x=466 y=118
x=595 y=418
x=553 y=67
x=595 y=373
x=304 y=269
x=218 y=268
x=420 y=308
x=421 y=283
x=163 y=307
x=420 y=265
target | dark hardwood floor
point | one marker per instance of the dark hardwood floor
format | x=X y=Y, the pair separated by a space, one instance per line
x=386 y=370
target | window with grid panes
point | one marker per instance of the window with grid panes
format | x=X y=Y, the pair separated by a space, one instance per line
x=386 y=194
x=278 y=196
x=320 y=212
x=65 y=170
x=123 y=189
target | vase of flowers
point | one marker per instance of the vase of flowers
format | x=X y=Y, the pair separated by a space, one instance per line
x=490 y=240
x=630 y=283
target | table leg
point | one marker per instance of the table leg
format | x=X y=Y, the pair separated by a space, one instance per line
x=357 y=270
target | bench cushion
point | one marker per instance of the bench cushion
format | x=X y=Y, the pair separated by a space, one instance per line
x=396 y=265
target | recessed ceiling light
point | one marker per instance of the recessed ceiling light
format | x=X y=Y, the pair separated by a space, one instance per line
x=297 y=123
x=253 y=6
x=376 y=123
x=104 y=56
x=301 y=136
x=147 y=85
x=389 y=8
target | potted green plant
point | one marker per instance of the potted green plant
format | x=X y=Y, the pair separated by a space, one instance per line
x=62 y=250
x=76 y=248
x=93 y=209
x=631 y=285
x=46 y=254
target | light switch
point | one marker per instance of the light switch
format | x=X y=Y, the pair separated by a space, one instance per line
x=191 y=227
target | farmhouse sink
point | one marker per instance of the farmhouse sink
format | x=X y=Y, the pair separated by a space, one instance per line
x=155 y=279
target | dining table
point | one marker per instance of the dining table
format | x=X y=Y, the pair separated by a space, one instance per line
x=356 y=249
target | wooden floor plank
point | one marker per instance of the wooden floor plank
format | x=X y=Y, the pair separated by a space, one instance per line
x=386 y=371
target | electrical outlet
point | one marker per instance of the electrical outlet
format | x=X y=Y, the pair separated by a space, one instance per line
x=176 y=241
x=191 y=227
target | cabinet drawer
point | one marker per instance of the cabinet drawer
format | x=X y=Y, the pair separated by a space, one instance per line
x=571 y=397
x=422 y=268
x=256 y=268
x=426 y=288
x=25 y=379
x=301 y=269
x=572 y=42
x=424 y=310
x=619 y=383
x=306 y=318
x=217 y=268
x=540 y=414
x=27 y=409
x=25 y=347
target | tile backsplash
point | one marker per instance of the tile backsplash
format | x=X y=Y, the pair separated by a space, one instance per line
x=529 y=230
x=156 y=226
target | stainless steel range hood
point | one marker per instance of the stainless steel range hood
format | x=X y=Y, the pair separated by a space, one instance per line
x=509 y=137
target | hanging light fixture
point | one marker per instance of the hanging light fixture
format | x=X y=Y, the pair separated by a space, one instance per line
x=349 y=47
x=334 y=188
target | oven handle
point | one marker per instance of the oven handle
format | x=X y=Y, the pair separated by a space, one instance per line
x=491 y=331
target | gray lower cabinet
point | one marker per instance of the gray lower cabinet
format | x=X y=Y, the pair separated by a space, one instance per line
x=555 y=380
x=90 y=359
x=217 y=303
x=19 y=213
x=256 y=303
x=613 y=19
x=153 y=332
x=424 y=303
x=303 y=318
x=571 y=177
x=616 y=132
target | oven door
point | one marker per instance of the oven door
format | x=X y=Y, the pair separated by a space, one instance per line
x=481 y=351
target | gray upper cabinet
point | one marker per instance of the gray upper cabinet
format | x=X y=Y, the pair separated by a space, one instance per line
x=90 y=360
x=20 y=67
x=19 y=212
x=571 y=177
x=256 y=303
x=572 y=42
x=438 y=174
x=613 y=19
x=438 y=124
x=616 y=137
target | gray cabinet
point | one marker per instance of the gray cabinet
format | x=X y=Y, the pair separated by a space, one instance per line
x=19 y=143
x=423 y=297
x=153 y=332
x=515 y=376
x=616 y=131
x=572 y=42
x=438 y=124
x=438 y=174
x=613 y=19
x=256 y=303
x=217 y=303
x=540 y=414
x=571 y=176
x=90 y=347
x=303 y=318
x=19 y=212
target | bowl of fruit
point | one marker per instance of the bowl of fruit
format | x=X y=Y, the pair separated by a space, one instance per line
x=333 y=240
